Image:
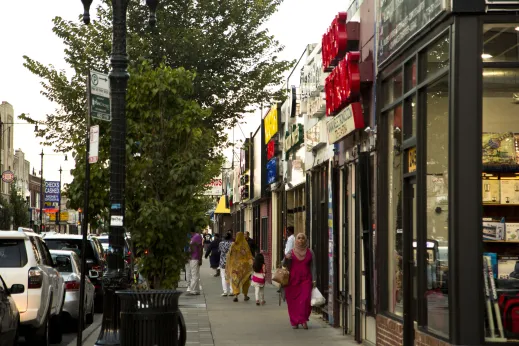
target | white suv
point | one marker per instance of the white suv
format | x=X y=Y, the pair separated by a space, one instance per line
x=25 y=259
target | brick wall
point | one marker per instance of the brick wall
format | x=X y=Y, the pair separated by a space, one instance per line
x=389 y=332
x=422 y=339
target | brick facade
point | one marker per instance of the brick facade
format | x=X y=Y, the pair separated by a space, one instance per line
x=422 y=339
x=391 y=333
x=266 y=211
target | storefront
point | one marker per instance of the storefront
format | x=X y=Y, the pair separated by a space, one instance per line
x=448 y=162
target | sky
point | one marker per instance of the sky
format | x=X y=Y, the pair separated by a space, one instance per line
x=26 y=29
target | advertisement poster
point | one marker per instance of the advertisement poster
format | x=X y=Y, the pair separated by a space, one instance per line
x=52 y=191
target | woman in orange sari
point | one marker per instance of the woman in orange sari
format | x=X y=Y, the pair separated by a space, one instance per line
x=239 y=267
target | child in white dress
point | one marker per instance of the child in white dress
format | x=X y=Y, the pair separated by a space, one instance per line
x=258 y=278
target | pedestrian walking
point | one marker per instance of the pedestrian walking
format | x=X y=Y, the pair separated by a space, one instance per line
x=224 y=247
x=251 y=243
x=239 y=267
x=301 y=264
x=290 y=240
x=214 y=252
x=207 y=240
x=258 y=278
x=195 y=261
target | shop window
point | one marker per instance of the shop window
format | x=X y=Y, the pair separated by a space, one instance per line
x=437 y=210
x=392 y=88
x=410 y=120
x=500 y=192
x=395 y=224
x=500 y=42
x=435 y=58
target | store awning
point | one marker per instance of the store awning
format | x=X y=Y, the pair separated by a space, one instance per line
x=222 y=208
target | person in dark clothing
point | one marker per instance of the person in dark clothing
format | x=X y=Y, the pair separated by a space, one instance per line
x=252 y=244
x=214 y=252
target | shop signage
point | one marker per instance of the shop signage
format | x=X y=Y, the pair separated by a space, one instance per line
x=52 y=191
x=313 y=136
x=312 y=83
x=272 y=171
x=214 y=188
x=294 y=139
x=411 y=160
x=347 y=121
x=399 y=20
x=7 y=176
x=343 y=84
x=63 y=216
x=271 y=149
x=271 y=124
x=334 y=42
x=288 y=141
x=244 y=157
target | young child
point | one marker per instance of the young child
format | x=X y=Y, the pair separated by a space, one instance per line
x=258 y=278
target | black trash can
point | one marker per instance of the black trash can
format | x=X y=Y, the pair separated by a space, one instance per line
x=151 y=318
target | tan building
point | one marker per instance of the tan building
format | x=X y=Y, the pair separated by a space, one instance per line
x=6 y=143
x=21 y=172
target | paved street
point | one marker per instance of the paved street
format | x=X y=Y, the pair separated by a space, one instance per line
x=213 y=320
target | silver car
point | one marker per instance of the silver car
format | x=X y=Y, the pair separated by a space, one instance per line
x=69 y=264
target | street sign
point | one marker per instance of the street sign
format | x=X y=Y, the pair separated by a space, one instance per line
x=93 y=155
x=7 y=176
x=52 y=191
x=100 y=96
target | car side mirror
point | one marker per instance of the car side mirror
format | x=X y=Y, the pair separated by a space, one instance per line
x=17 y=289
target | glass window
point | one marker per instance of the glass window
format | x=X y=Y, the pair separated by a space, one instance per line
x=500 y=187
x=410 y=75
x=392 y=88
x=12 y=253
x=437 y=212
x=436 y=57
x=500 y=42
x=65 y=267
x=395 y=224
x=410 y=121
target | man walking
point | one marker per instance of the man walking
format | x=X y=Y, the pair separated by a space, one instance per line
x=195 y=261
x=290 y=241
x=252 y=244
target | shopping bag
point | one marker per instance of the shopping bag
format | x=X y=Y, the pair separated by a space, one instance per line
x=317 y=298
x=281 y=277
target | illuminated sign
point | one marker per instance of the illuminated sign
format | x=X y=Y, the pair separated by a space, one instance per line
x=271 y=124
x=343 y=84
x=335 y=41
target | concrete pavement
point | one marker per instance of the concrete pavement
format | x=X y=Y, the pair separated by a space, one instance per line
x=213 y=320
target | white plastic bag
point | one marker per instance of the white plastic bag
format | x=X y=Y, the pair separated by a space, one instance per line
x=317 y=298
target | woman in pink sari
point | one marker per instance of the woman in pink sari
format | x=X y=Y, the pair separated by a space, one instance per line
x=301 y=263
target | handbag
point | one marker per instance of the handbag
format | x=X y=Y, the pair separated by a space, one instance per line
x=317 y=298
x=281 y=277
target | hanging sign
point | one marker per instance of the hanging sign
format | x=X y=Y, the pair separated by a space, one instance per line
x=100 y=96
x=347 y=121
x=52 y=191
x=343 y=84
x=93 y=155
x=272 y=171
x=271 y=124
x=7 y=176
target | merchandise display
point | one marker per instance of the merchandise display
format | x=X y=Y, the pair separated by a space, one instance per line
x=493 y=229
x=491 y=188
x=509 y=190
x=512 y=232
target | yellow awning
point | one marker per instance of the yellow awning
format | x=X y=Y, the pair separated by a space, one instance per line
x=221 y=208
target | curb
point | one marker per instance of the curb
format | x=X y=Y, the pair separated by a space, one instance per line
x=87 y=332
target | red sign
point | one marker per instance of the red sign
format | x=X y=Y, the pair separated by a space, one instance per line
x=271 y=146
x=334 y=42
x=342 y=86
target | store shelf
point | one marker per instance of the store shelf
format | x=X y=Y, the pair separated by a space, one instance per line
x=500 y=168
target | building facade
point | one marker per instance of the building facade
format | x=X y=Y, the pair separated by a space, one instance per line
x=6 y=144
x=22 y=170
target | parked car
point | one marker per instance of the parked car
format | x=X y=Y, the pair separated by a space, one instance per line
x=69 y=265
x=25 y=257
x=95 y=260
x=9 y=315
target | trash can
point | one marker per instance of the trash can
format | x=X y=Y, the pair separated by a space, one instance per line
x=151 y=318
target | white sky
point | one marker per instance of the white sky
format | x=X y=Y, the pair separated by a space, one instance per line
x=26 y=29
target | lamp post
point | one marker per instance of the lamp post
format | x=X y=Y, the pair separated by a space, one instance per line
x=41 y=193
x=58 y=218
x=115 y=278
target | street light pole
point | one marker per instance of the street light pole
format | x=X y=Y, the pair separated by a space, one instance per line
x=41 y=193
x=115 y=278
x=58 y=219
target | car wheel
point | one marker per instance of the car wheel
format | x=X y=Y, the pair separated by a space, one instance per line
x=90 y=316
x=55 y=333
x=40 y=336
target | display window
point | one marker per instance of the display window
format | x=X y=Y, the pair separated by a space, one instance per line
x=500 y=181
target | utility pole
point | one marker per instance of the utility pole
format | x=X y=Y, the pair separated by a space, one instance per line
x=41 y=193
x=58 y=218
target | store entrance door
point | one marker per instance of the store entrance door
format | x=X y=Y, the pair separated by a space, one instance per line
x=409 y=260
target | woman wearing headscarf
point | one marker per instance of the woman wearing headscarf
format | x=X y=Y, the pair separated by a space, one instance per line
x=214 y=252
x=239 y=267
x=298 y=293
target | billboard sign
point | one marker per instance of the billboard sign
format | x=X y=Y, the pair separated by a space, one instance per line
x=52 y=191
x=214 y=188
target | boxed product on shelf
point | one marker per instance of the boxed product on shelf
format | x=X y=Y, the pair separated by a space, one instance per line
x=493 y=229
x=508 y=267
x=493 y=261
x=509 y=190
x=491 y=189
x=512 y=231
x=498 y=148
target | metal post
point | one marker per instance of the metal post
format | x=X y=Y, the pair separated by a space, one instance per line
x=58 y=218
x=114 y=279
x=41 y=193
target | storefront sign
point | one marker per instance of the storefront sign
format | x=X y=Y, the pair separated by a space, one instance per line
x=399 y=20
x=411 y=160
x=271 y=149
x=244 y=157
x=63 y=216
x=345 y=122
x=7 y=176
x=288 y=141
x=334 y=42
x=271 y=124
x=272 y=171
x=313 y=136
x=52 y=191
x=295 y=138
x=214 y=188
x=343 y=84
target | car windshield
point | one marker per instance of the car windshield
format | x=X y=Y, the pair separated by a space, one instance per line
x=70 y=244
x=63 y=268
x=12 y=253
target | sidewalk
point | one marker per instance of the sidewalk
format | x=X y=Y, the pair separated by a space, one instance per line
x=213 y=320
